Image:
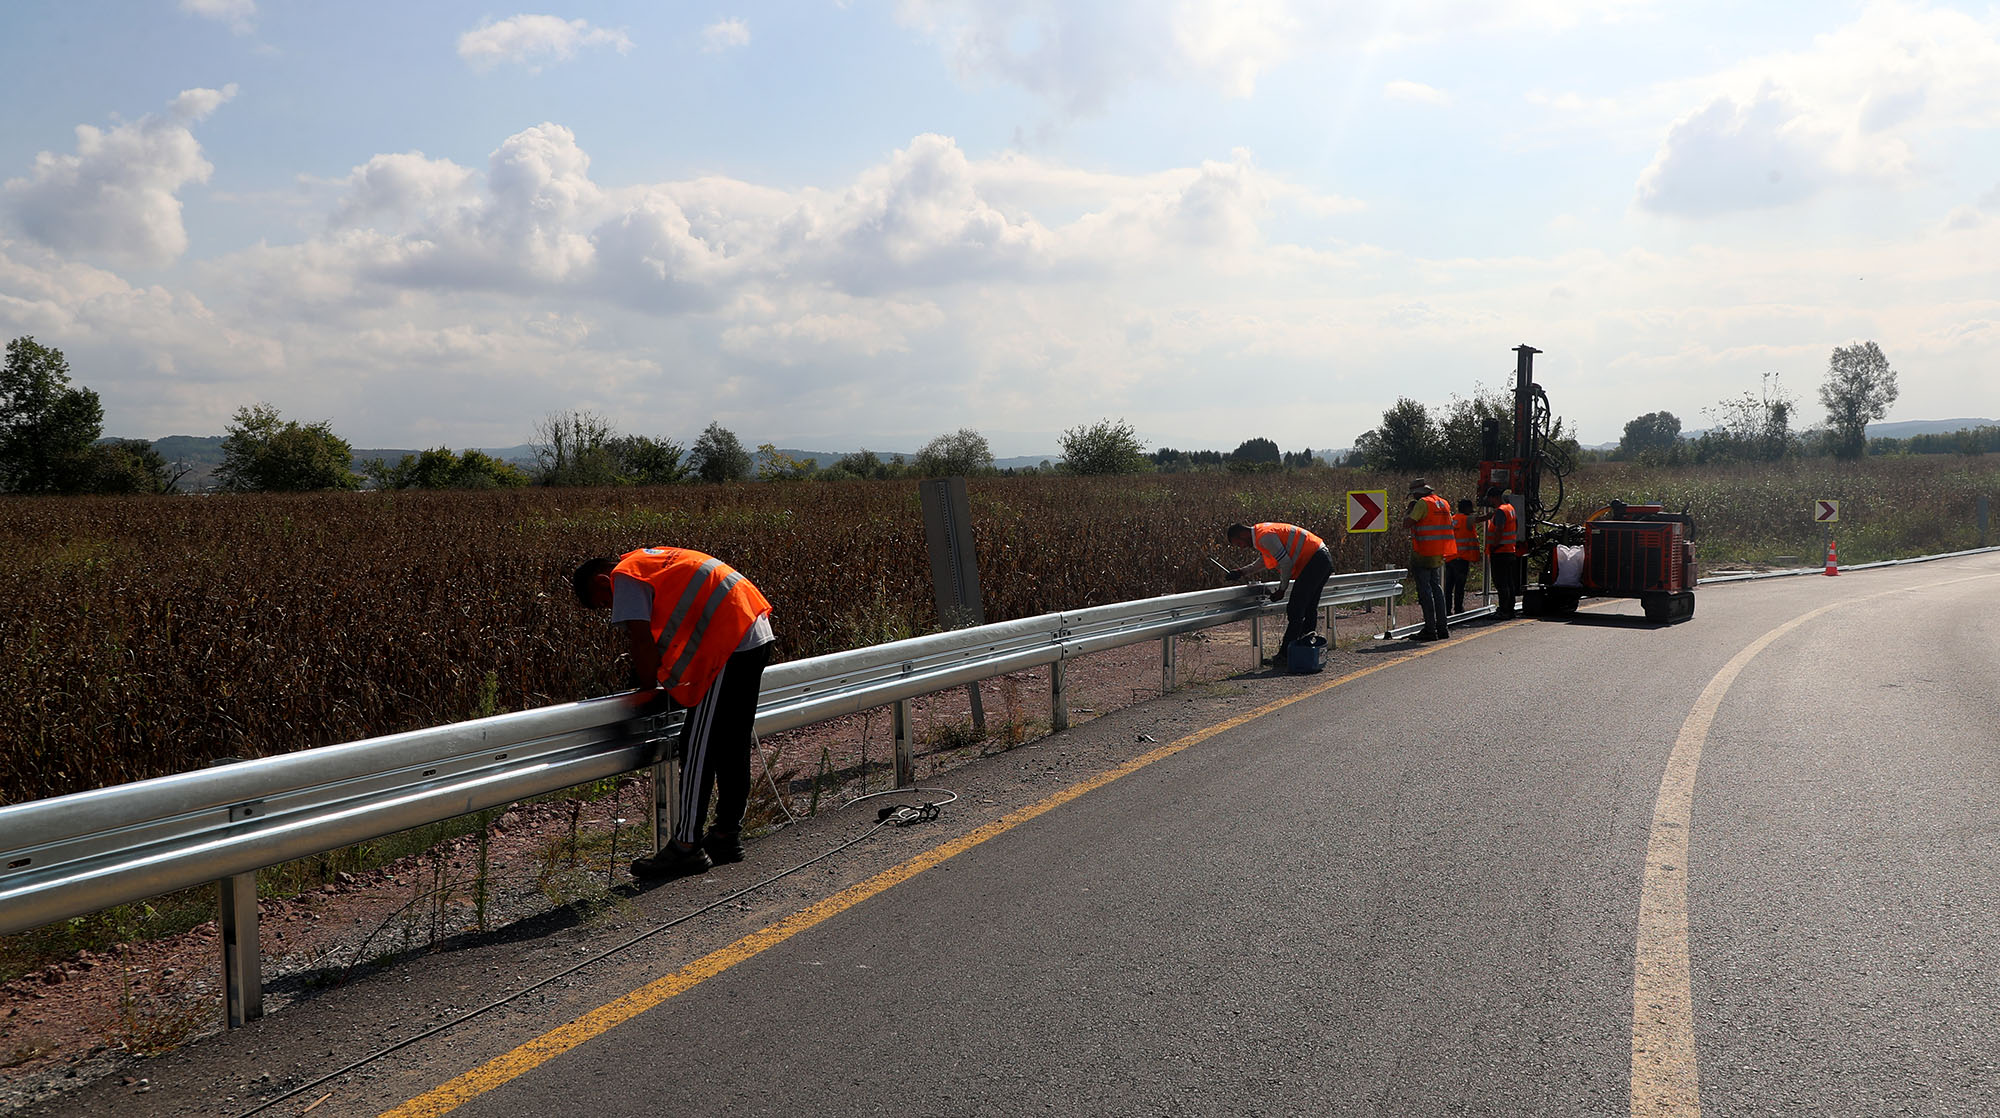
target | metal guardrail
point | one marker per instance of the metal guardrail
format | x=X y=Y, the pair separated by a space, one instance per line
x=1791 y=572
x=72 y=855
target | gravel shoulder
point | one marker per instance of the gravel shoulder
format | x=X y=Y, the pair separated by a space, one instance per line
x=552 y=870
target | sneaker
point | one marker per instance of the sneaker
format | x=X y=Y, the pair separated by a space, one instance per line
x=672 y=862
x=723 y=849
x=1426 y=635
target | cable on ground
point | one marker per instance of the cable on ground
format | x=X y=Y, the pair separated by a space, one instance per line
x=890 y=816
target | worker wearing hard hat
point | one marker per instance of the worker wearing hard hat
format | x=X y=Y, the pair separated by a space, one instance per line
x=1431 y=543
x=1303 y=563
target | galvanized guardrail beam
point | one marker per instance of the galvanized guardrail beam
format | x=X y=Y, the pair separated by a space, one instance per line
x=72 y=855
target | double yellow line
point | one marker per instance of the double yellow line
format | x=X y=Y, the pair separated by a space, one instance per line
x=511 y=1065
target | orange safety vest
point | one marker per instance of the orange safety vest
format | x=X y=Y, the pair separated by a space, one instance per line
x=1466 y=536
x=1433 y=534
x=1294 y=546
x=1500 y=537
x=702 y=609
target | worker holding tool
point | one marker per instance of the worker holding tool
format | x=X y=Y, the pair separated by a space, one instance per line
x=1431 y=542
x=1465 y=540
x=1501 y=544
x=698 y=634
x=1303 y=563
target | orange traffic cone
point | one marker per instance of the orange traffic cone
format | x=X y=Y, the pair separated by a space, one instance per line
x=1832 y=563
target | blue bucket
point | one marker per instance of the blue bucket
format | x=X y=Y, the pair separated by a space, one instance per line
x=1307 y=655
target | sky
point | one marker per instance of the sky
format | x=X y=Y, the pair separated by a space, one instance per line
x=830 y=224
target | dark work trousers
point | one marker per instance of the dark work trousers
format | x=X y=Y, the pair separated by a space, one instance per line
x=1455 y=571
x=1430 y=595
x=715 y=747
x=1506 y=581
x=1302 y=608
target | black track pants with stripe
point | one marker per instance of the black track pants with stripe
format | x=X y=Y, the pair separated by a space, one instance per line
x=715 y=747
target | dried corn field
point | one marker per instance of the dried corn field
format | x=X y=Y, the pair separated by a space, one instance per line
x=140 y=637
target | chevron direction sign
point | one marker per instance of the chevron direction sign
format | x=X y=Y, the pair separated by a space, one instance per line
x=1364 y=510
x=1824 y=512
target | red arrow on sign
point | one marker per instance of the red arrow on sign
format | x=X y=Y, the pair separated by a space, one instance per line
x=1370 y=512
x=1826 y=510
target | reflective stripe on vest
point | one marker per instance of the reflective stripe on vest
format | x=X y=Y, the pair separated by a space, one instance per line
x=1295 y=545
x=1433 y=534
x=1466 y=537
x=1500 y=538
x=702 y=608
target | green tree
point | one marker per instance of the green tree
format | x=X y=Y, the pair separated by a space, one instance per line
x=643 y=460
x=1105 y=447
x=1459 y=433
x=1258 y=451
x=576 y=448
x=441 y=469
x=129 y=466
x=719 y=455
x=262 y=452
x=1753 y=427
x=960 y=454
x=1406 y=442
x=46 y=427
x=1859 y=387
x=776 y=465
x=1650 y=437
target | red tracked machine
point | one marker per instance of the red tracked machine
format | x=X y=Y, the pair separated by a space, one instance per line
x=1620 y=551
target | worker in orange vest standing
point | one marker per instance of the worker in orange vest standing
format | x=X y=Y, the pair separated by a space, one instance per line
x=1431 y=543
x=1465 y=539
x=1302 y=562
x=1502 y=543
x=699 y=633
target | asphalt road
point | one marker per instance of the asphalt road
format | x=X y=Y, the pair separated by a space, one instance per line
x=1740 y=865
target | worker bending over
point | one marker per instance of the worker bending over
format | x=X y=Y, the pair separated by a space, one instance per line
x=1302 y=562
x=700 y=633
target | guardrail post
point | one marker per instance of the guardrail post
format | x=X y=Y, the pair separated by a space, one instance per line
x=666 y=799
x=1256 y=641
x=906 y=763
x=236 y=918
x=1059 y=696
x=1169 y=670
x=1389 y=616
x=242 y=955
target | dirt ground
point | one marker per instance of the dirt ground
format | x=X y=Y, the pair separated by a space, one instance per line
x=100 y=1014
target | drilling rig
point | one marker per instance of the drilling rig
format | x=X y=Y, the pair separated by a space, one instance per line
x=1619 y=551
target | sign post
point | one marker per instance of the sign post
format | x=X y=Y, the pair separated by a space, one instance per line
x=954 y=565
x=1367 y=515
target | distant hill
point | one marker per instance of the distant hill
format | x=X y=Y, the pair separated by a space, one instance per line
x=1905 y=428
x=824 y=459
x=203 y=453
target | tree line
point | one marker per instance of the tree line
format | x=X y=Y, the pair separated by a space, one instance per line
x=51 y=443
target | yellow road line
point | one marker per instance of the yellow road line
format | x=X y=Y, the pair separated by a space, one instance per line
x=511 y=1065
x=1664 y=1071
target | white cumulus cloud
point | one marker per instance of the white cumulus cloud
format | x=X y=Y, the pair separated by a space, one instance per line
x=1415 y=93
x=116 y=196
x=724 y=34
x=535 y=40
x=239 y=15
x=1729 y=156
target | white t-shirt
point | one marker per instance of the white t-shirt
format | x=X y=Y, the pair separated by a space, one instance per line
x=632 y=600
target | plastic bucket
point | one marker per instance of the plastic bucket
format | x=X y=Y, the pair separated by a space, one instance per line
x=1307 y=655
